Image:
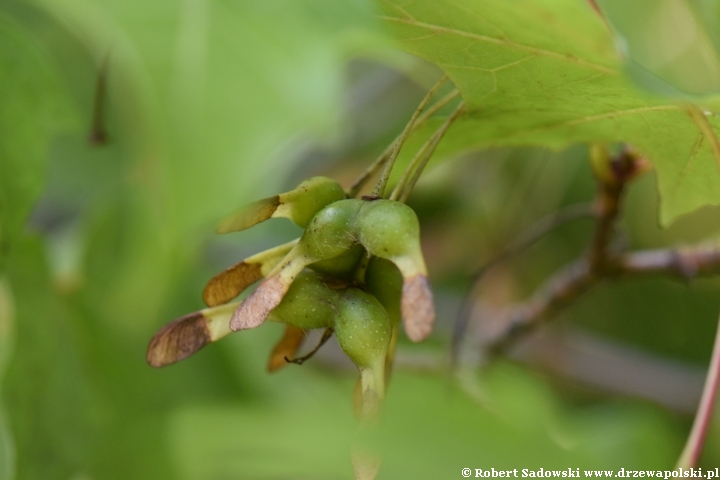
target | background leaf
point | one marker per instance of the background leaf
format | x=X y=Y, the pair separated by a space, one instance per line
x=670 y=46
x=31 y=111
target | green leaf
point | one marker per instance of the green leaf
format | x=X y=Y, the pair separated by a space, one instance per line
x=207 y=94
x=544 y=73
x=30 y=100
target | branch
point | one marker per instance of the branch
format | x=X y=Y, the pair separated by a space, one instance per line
x=612 y=174
x=516 y=246
x=571 y=282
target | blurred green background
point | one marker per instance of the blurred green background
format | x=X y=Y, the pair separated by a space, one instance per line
x=210 y=104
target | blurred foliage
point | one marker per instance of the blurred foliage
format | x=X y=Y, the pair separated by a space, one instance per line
x=210 y=104
x=671 y=46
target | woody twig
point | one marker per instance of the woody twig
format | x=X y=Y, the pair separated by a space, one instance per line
x=601 y=261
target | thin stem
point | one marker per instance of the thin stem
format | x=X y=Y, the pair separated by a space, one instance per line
x=609 y=197
x=418 y=163
x=371 y=170
x=379 y=189
x=98 y=133
x=436 y=107
x=300 y=360
x=696 y=440
x=539 y=229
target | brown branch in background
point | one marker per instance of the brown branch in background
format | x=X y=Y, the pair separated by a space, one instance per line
x=600 y=263
x=684 y=263
x=516 y=246
x=613 y=174
x=570 y=283
x=98 y=132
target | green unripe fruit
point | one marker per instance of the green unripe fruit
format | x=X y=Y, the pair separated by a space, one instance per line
x=385 y=228
x=329 y=235
x=388 y=229
x=301 y=204
x=343 y=266
x=308 y=303
x=364 y=332
x=331 y=232
x=385 y=282
x=362 y=327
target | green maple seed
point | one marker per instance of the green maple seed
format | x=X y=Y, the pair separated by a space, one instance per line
x=390 y=230
x=309 y=303
x=182 y=337
x=363 y=330
x=385 y=228
x=230 y=283
x=329 y=235
x=343 y=266
x=383 y=280
x=299 y=205
x=332 y=231
x=362 y=327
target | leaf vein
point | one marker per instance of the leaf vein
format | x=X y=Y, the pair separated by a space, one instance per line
x=686 y=168
x=505 y=42
x=591 y=118
x=702 y=124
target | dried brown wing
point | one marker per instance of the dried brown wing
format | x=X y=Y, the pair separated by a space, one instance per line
x=255 y=309
x=178 y=340
x=418 y=310
x=182 y=337
x=257 y=306
x=230 y=283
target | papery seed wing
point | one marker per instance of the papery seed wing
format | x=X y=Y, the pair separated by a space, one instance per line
x=230 y=283
x=249 y=215
x=186 y=335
